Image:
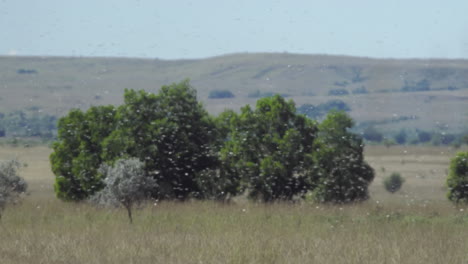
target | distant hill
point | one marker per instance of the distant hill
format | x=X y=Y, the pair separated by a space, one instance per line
x=390 y=93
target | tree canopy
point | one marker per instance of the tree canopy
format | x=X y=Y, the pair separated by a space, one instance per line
x=269 y=152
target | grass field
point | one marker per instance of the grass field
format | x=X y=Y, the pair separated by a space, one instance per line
x=414 y=225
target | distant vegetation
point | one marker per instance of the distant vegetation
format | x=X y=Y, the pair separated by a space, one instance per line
x=319 y=111
x=28 y=123
x=220 y=94
x=338 y=92
x=269 y=153
x=258 y=94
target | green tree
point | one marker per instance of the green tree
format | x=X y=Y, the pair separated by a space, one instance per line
x=342 y=175
x=77 y=154
x=171 y=132
x=457 y=180
x=372 y=134
x=400 y=138
x=268 y=151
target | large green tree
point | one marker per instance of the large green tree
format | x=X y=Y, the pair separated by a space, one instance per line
x=78 y=151
x=341 y=175
x=171 y=132
x=268 y=151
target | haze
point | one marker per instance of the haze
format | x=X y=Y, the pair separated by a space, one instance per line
x=197 y=29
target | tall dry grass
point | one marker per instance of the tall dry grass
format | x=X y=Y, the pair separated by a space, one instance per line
x=416 y=225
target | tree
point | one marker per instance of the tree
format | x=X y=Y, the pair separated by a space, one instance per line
x=372 y=134
x=126 y=183
x=11 y=184
x=400 y=138
x=78 y=152
x=171 y=132
x=457 y=180
x=220 y=94
x=268 y=151
x=342 y=175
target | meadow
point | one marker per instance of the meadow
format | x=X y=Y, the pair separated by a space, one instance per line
x=415 y=225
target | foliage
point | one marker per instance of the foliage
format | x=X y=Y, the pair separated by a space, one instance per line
x=126 y=183
x=269 y=151
x=400 y=138
x=342 y=175
x=317 y=112
x=457 y=180
x=372 y=134
x=220 y=94
x=11 y=184
x=171 y=132
x=338 y=92
x=27 y=124
x=424 y=136
x=78 y=151
x=393 y=182
x=360 y=90
x=259 y=94
x=422 y=85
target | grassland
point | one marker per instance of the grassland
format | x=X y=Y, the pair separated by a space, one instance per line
x=56 y=84
x=415 y=225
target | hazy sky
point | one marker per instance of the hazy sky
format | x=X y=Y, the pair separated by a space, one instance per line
x=171 y=29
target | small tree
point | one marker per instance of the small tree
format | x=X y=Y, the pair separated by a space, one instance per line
x=393 y=182
x=125 y=183
x=11 y=185
x=457 y=180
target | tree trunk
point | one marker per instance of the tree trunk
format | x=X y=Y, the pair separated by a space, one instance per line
x=129 y=212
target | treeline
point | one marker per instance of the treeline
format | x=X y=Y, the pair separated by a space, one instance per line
x=27 y=124
x=268 y=152
x=415 y=137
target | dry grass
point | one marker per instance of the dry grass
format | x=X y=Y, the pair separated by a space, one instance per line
x=408 y=227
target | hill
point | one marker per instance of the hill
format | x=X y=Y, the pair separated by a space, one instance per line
x=389 y=93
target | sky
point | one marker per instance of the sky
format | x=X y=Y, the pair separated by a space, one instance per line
x=205 y=28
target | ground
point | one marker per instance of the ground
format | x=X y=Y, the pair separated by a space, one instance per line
x=415 y=225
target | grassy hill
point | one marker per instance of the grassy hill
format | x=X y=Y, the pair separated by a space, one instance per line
x=432 y=93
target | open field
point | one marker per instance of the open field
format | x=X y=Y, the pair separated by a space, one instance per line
x=415 y=225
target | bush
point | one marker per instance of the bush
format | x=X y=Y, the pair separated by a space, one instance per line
x=372 y=134
x=220 y=94
x=457 y=180
x=360 y=90
x=316 y=112
x=338 y=92
x=393 y=182
x=11 y=185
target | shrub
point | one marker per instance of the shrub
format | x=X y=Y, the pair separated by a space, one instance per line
x=393 y=182
x=338 y=92
x=220 y=94
x=360 y=90
x=11 y=185
x=372 y=134
x=125 y=183
x=457 y=180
